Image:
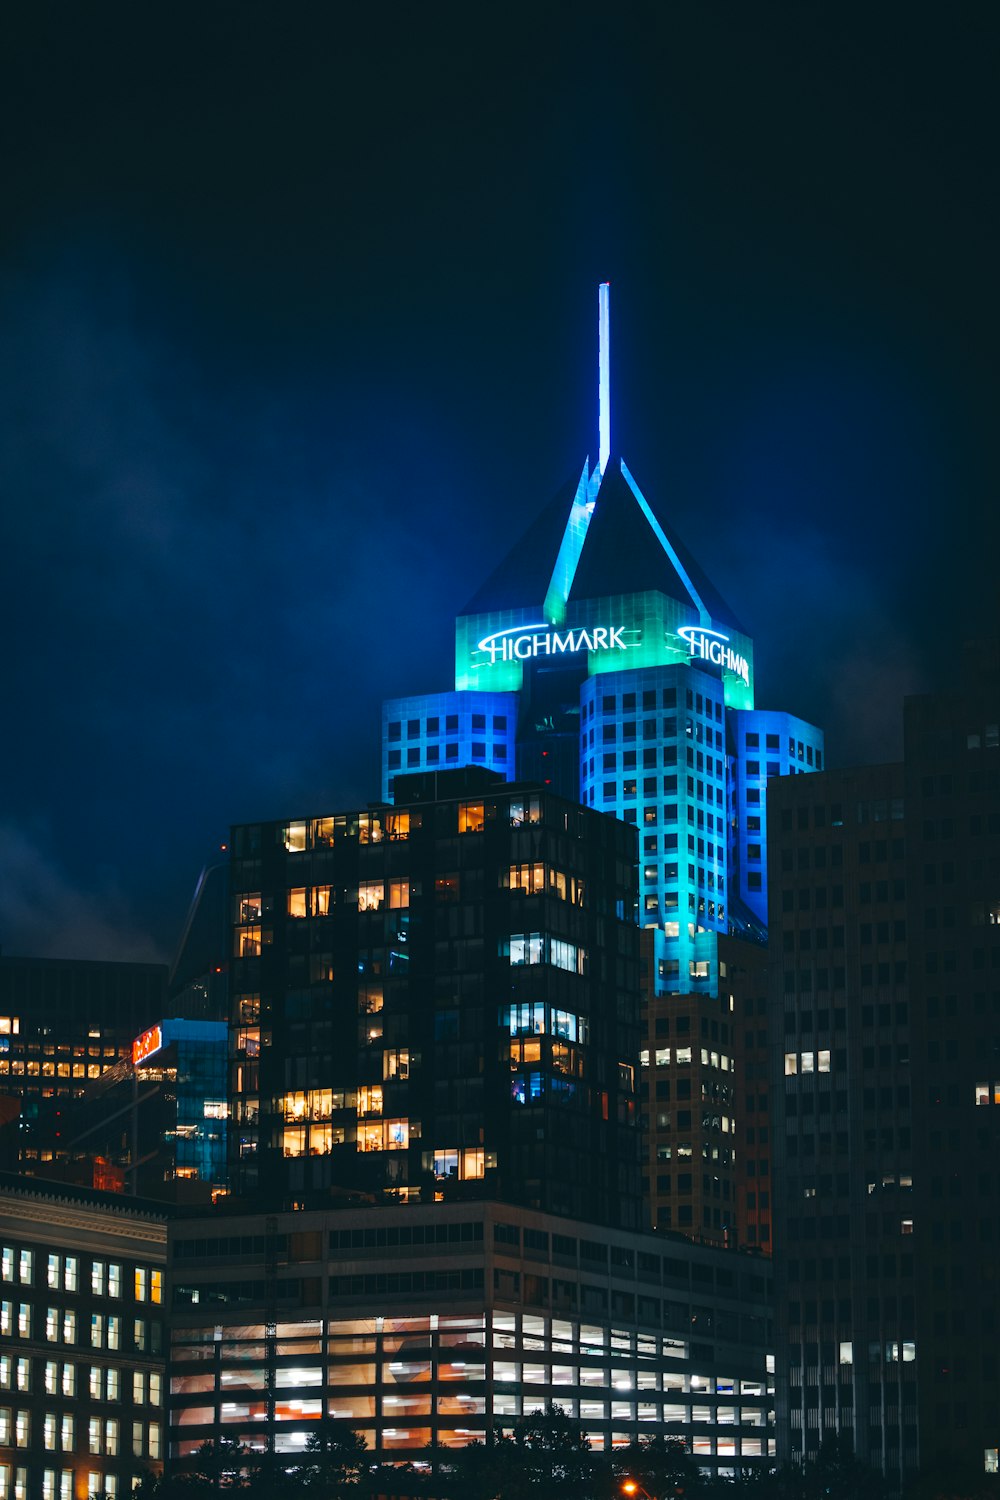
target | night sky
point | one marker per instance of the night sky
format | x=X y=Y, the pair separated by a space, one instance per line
x=299 y=333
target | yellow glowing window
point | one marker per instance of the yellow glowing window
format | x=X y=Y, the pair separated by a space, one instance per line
x=398 y=825
x=471 y=817
x=396 y=1063
x=295 y=837
x=370 y=1099
x=320 y=903
x=248 y=942
x=371 y=894
x=248 y=908
x=297 y=902
x=399 y=894
x=370 y=1137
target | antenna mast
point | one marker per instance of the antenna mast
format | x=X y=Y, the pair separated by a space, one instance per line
x=604 y=379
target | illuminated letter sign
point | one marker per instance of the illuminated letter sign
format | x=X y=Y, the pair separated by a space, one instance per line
x=520 y=642
x=712 y=645
x=151 y=1041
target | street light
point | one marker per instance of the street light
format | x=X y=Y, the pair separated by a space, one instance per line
x=633 y=1487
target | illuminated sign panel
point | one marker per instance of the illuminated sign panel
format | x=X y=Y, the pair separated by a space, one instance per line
x=713 y=646
x=144 y=1046
x=520 y=642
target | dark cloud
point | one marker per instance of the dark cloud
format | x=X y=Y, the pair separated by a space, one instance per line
x=299 y=334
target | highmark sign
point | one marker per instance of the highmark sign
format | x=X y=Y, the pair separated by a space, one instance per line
x=521 y=642
x=713 y=646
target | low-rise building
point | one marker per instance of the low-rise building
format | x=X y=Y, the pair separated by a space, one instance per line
x=82 y=1349
x=441 y=1324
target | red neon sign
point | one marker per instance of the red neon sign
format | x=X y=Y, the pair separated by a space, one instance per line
x=143 y=1046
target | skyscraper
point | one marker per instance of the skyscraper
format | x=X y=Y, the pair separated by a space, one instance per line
x=885 y=1020
x=599 y=659
x=439 y=1000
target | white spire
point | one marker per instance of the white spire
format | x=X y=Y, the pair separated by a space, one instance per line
x=604 y=381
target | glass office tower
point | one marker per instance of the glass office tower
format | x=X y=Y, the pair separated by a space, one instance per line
x=599 y=660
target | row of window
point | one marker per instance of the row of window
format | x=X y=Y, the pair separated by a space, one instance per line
x=416 y=759
x=66 y=1325
x=61 y=1431
x=432 y=726
x=663 y=1056
x=67 y=1273
x=103 y=1382
x=540 y=948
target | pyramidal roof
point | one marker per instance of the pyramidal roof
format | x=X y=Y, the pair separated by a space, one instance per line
x=521 y=579
x=629 y=548
x=599 y=537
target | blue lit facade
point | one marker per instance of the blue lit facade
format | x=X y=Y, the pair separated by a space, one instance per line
x=637 y=702
x=198 y=1051
x=441 y=731
x=624 y=680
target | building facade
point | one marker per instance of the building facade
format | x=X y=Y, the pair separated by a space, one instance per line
x=439 y=998
x=63 y=1022
x=885 y=1021
x=442 y=1324
x=159 y=1117
x=82 y=1347
x=600 y=660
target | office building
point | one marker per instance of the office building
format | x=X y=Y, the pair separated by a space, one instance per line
x=159 y=1118
x=63 y=1022
x=599 y=659
x=443 y=1323
x=885 y=1020
x=439 y=999
x=82 y=1362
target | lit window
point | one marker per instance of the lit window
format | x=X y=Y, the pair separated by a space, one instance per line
x=526 y=948
x=295 y=837
x=471 y=817
x=141 y=1284
x=371 y=894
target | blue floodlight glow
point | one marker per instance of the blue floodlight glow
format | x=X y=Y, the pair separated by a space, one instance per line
x=604 y=375
x=570 y=547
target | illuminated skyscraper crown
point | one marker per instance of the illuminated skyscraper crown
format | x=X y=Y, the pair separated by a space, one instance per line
x=613 y=564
